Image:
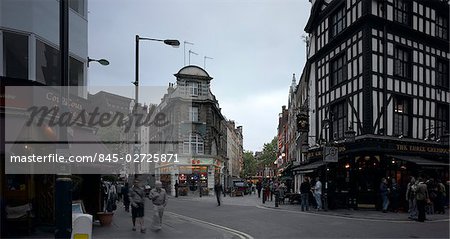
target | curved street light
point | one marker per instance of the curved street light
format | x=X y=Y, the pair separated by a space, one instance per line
x=103 y=62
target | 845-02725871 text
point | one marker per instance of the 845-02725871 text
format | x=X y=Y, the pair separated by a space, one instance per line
x=139 y=158
x=97 y=157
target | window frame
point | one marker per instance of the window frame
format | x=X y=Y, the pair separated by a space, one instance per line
x=23 y=73
x=193 y=114
x=338 y=19
x=405 y=64
x=442 y=74
x=193 y=144
x=194 y=88
x=401 y=119
x=339 y=123
x=403 y=12
x=341 y=70
x=442 y=120
x=441 y=27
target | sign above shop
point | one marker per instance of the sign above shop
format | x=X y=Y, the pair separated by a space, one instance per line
x=330 y=154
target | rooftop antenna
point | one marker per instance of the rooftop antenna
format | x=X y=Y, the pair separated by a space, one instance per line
x=204 y=61
x=191 y=52
x=184 y=50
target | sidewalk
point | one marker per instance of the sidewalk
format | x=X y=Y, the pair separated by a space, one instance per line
x=173 y=227
x=363 y=214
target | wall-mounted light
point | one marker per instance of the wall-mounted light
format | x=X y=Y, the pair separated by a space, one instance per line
x=347 y=165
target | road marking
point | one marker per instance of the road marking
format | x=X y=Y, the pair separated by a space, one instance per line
x=237 y=233
x=344 y=217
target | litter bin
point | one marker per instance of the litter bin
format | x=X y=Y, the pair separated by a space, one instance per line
x=81 y=226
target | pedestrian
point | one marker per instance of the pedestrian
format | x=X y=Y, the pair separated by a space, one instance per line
x=318 y=193
x=440 y=199
x=258 y=188
x=176 y=188
x=422 y=199
x=119 y=192
x=158 y=196
x=218 y=190
x=394 y=195
x=384 y=193
x=125 y=195
x=432 y=193
x=411 y=198
x=271 y=190
x=305 y=187
x=137 y=196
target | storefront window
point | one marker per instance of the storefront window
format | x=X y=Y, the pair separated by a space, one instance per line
x=15 y=55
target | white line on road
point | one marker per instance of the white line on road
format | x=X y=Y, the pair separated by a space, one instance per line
x=343 y=217
x=240 y=234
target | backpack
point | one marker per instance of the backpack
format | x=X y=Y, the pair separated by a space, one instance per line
x=420 y=193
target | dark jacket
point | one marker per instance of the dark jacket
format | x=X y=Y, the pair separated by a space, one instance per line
x=305 y=187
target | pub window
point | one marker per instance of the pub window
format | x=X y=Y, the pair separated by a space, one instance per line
x=15 y=55
x=401 y=117
x=442 y=73
x=442 y=27
x=402 y=62
x=338 y=22
x=338 y=70
x=339 y=116
x=442 y=121
x=47 y=64
x=401 y=11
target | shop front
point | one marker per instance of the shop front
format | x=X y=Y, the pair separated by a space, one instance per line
x=192 y=174
x=354 y=180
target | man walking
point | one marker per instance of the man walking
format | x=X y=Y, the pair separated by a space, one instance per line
x=304 y=193
x=421 y=198
x=411 y=198
x=318 y=193
x=384 y=192
x=137 y=195
x=218 y=190
x=159 y=198
x=176 y=188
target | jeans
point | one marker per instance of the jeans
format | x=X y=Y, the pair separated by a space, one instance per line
x=421 y=208
x=385 y=199
x=412 y=208
x=318 y=198
x=158 y=211
x=305 y=201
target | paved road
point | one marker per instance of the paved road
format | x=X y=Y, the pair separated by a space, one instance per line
x=243 y=214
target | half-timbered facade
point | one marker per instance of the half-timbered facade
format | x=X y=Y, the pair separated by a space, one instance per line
x=379 y=92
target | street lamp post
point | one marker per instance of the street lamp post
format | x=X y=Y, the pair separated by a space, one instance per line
x=103 y=62
x=170 y=42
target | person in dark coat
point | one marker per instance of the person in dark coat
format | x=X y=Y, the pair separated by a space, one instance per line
x=218 y=190
x=305 y=188
x=258 y=188
x=125 y=195
x=176 y=188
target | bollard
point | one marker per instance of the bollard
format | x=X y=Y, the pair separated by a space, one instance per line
x=263 y=196
x=276 y=199
x=63 y=208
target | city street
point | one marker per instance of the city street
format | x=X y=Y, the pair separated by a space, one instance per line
x=246 y=217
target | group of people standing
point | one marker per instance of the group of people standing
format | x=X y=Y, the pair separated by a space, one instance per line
x=423 y=196
x=306 y=188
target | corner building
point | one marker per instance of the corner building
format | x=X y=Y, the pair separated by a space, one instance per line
x=196 y=132
x=379 y=92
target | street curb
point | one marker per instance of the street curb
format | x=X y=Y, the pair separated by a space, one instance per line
x=349 y=216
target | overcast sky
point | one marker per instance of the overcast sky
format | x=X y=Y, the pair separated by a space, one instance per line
x=256 y=46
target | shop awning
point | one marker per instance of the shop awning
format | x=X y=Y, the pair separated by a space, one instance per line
x=418 y=160
x=309 y=168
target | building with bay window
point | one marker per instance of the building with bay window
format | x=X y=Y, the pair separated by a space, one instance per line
x=195 y=132
x=378 y=91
